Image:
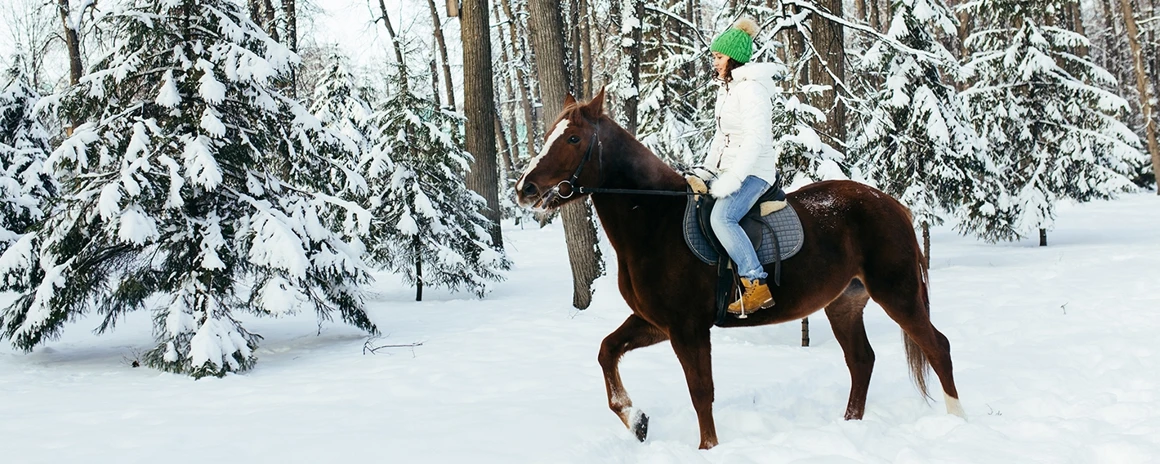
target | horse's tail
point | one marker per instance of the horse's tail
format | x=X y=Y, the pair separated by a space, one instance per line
x=914 y=355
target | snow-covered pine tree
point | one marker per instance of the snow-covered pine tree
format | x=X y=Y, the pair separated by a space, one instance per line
x=915 y=143
x=24 y=146
x=428 y=226
x=177 y=194
x=676 y=100
x=1051 y=125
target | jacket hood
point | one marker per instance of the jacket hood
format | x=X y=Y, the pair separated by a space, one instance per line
x=759 y=72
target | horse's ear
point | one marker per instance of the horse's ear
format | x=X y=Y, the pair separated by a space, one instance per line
x=596 y=106
x=569 y=101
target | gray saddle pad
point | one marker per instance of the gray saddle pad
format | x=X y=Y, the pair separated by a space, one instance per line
x=784 y=223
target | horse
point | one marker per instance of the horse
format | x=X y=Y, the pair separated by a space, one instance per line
x=859 y=244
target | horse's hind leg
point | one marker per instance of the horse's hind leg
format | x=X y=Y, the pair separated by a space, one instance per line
x=908 y=305
x=845 y=314
x=632 y=334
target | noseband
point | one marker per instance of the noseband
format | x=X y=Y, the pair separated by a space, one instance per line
x=571 y=181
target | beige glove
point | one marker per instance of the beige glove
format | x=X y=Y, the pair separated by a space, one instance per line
x=697 y=184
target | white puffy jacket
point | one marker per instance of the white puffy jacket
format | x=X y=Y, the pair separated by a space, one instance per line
x=743 y=143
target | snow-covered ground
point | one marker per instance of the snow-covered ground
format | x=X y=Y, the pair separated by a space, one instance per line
x=1055 y=349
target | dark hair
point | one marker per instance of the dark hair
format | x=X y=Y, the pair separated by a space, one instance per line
x=729 y=67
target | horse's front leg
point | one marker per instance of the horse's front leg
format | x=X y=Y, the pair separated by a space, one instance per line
x=692 y=347
x=632 y=334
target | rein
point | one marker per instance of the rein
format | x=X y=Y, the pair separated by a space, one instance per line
x=574 y=189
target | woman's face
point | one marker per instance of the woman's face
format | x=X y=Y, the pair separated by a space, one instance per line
x=720 y=62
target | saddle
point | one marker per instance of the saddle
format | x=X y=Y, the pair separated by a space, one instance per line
x=772 y=225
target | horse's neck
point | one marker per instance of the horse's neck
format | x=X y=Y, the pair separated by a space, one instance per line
x=628 y=164
x=632 y=218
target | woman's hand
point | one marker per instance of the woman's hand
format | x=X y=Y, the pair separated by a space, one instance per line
x=725 y=185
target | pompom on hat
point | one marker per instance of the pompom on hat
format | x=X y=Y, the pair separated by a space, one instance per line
x=737 y=41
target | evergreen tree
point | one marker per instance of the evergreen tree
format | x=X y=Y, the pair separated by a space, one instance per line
x=914 y=142
x=1044 y=111
x=183 y=192
x=429 y=227
x=24 y=146
x=676 y=100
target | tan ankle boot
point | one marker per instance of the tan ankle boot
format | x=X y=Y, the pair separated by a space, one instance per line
x=755 y=297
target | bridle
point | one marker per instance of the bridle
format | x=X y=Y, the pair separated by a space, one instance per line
x=574 y=189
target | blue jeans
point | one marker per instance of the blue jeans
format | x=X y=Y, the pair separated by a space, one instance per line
x=724 y=219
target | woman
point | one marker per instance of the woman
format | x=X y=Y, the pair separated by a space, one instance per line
x=741 y=154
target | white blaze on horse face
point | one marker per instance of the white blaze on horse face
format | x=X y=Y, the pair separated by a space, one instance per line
x=954 y=406
x=556 y=133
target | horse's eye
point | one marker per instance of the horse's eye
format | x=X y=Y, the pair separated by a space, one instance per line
x=574 y=139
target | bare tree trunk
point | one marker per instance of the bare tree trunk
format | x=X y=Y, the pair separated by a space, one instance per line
x=586 y=90
x=579 y=228
x=1143 y=87
x=805 y=331
x=828 y=68
x=397 y=46
x=290 y=10
x=418 y=268
x=504 y=148
x=523 y=84
x=479 y=106
x=926 y=244
x=632 y=50
x=1042 y=237
x=435 y=83
x=875 y=15
x=1076 y=17
x=443 y=55
x=72 y=41
x=511 y=153
x=271 y=21
x=255 y=7
x=860 y=9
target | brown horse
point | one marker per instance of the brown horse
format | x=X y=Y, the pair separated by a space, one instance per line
x=859 y=244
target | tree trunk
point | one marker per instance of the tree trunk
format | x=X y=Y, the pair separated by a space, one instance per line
x=875 y=14
x=447 y=82
x=511 y=152
x=579 y=229
x=523 y=84
x=435 y=83
x=576 y=67
x=586 y=90
x=1042 y=237
x=271 y=21
x=632 y=50
x=397 y=46
x=828 y=68
x=418 y=268
x=1076 y=17
x=73 y=42
x=504 y=149
x=479 y=106
x=926 y=244
x=1143 y=87
x=290 y=10
x=805 y=331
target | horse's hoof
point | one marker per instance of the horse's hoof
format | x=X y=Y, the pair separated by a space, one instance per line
x=639 y=425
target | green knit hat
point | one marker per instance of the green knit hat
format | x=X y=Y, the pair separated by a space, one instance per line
x=737 y=41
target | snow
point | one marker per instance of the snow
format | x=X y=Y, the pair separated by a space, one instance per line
x=1054 y=351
